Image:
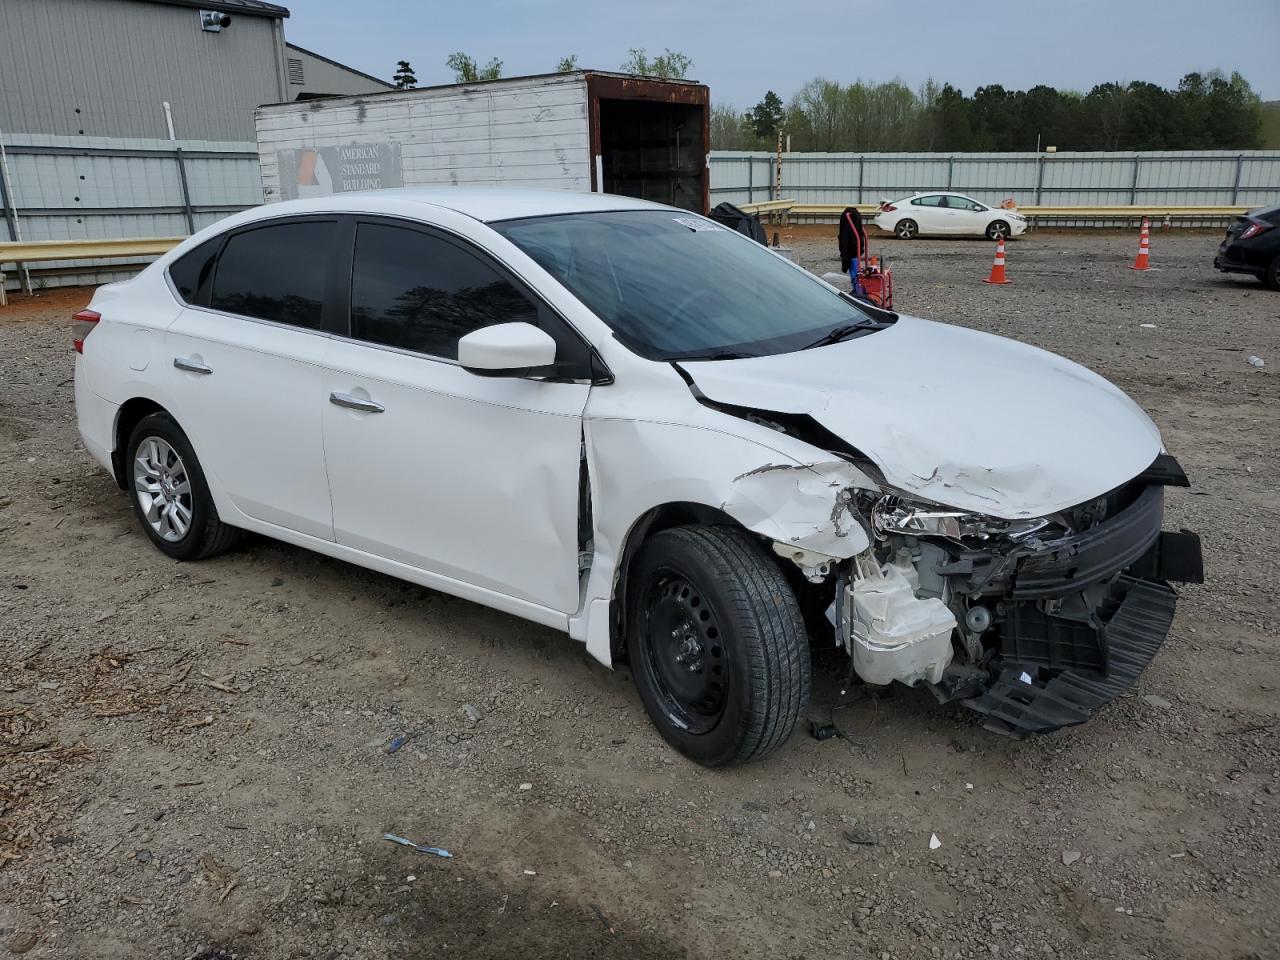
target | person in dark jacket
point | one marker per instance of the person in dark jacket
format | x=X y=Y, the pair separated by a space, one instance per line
x=853 y=245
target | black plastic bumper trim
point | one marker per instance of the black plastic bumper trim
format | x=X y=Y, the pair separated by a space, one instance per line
x=1075 y=562
x=1131 y=638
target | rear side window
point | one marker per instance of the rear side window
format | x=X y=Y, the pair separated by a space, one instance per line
x=276 y=273
x=190 y=272
x=934 y=200
x=422 y=293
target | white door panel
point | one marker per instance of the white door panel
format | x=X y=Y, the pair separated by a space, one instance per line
x=469 y=477
x=255 y=418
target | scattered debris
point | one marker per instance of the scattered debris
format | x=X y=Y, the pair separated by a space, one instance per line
x=1257 y=362
x=397 y=742
x=420 y=847
x=1159 y=702
x=1147 y=326
x=22 y=942
x=526 y=786
x=934 y=842
x=859 y=838
x=823 y=731
x=1069 y=857
x=531 y=873
x=474 y=715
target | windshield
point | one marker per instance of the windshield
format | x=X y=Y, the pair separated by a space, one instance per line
x=676 y=286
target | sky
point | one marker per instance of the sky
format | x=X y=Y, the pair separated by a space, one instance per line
x=741 y=49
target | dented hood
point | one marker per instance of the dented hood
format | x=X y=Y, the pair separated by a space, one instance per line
x=955 y=416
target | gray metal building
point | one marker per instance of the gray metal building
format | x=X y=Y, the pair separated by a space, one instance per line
x=105 y=68
x=312 y=75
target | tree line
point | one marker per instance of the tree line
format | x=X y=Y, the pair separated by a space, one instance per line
x=1205 y=111
x=670 y=65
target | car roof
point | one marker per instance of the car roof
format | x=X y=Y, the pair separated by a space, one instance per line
x=487 y=204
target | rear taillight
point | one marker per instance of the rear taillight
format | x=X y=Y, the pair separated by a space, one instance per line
x=1254 y=228
x=887 y=208
x=85 y=321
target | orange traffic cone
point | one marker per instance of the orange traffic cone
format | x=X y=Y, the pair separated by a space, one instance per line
x=1144 y=248
x=997 y=268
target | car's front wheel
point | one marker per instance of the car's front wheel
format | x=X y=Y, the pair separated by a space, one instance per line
x=997 y=230
x=717 y=644
x=906 y=230
x=169 y=492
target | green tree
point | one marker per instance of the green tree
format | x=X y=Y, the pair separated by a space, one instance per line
x=465 y=70
x=730 y=130
x=404 y=78
x=766 y=116
x=669 y=65
x=567 y=64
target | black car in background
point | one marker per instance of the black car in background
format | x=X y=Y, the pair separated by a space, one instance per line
x=1252 y=245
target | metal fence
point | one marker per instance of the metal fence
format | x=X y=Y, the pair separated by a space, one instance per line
x=92 y=188
x=1199 y=178
x=89 y=188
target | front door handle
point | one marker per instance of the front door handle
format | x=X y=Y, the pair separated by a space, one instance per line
x=191 y=366
x=355 y=403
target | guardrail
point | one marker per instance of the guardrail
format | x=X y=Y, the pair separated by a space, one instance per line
x=791 y=208
x=37 y=251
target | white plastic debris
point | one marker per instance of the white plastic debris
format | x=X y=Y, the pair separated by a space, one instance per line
x=1155 y=701
x=934 y=842
x=968 y=786
x=1069 y=857
x=1147 y=326
x=531 y=873
x=1257 y=362
x=526 y=786
x=1024 y=677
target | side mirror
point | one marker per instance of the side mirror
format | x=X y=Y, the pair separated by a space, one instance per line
x=506 y=350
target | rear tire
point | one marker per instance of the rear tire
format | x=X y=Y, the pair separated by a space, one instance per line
x=717 y=644
x=906 y=230
x=1272 y=275
x=170 y=496
x=997 y=229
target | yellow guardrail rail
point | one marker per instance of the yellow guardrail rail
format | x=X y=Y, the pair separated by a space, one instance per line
x=33 y=251
x=39 y=251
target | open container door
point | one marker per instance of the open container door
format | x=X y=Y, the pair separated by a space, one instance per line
x=649 y=139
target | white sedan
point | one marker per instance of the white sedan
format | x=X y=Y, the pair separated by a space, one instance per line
x=947 y=214
x=629 y=423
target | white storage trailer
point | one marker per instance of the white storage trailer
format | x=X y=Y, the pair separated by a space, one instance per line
x=586 y=130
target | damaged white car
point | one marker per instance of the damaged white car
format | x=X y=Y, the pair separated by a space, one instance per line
x=624 y=421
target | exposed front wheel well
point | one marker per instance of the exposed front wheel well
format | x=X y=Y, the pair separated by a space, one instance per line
x=131 y=413
x=653 y=522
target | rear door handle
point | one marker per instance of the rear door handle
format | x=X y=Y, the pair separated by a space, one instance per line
x=191 y=366
x=355 y=403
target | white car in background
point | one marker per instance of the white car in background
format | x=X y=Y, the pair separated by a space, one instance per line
x=947 y=214
x=626 y=422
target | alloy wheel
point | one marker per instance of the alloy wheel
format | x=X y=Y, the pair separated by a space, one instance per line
x=163 y=489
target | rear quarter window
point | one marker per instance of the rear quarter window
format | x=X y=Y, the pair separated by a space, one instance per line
x=191 y=272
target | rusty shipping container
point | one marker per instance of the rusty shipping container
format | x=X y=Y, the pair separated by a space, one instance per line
x=586 y=130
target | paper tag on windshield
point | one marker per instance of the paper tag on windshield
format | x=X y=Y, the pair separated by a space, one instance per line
x=697 y=225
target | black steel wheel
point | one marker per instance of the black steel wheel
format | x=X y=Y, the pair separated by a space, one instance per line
x=717 y=644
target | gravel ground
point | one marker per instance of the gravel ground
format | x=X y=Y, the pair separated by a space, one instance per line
x=194 y=762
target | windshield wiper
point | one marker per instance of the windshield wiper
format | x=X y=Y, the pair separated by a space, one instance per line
x=844 y=331
x=714 y=355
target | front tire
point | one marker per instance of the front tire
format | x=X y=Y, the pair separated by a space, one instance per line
x=997 y=229
x=717 y=644
x=170 y=496
x=906 y=230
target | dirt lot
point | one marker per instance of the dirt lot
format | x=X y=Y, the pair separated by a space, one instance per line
x=193 y=758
